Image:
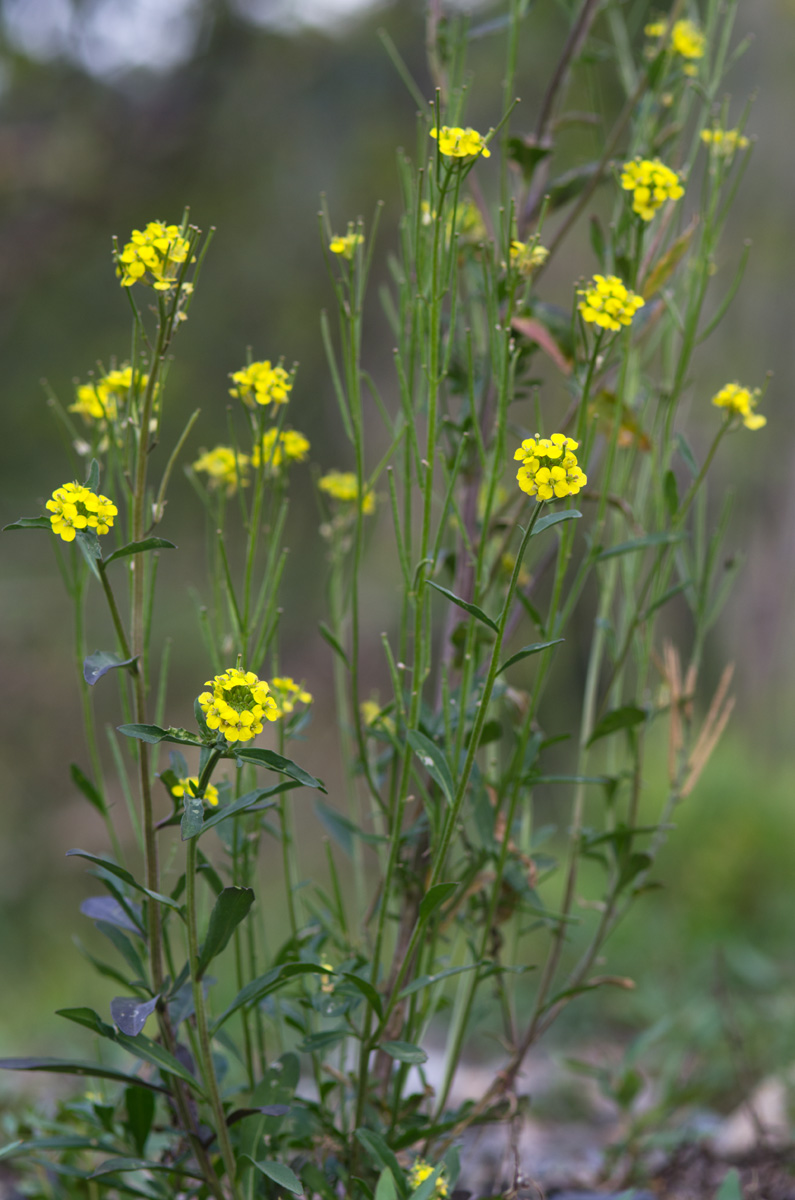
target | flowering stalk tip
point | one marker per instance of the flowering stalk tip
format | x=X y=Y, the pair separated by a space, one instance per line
x=549 y=469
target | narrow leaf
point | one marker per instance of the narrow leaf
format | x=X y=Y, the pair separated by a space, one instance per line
x=264 y=1110
x=192 y=817
x=271 y=981
x=140 y=1106
x=568 y=514
x=108 y=909
x=336 y=646
x=404 y=1052
x=385 y=1188
x=229 y=910
x=367 y=990
x=434 y=898
x=424 y=981
x=114 y=869
x=67 y=1066
x=102 y=661
x=89 y=1019
x=731 y=1188
x=142 y=1047
x=88 y=789
x=112 y=1166
x=150 y=543
x=131 y=1014
x=433 y=760
x=625 y=717
x=668 y=262
x=526 y=651
x=154 y=734
x=87 y=543
x=379 y=1152
x=29 y=523
x=279 y=1173
x=92 y=479
x=643 y=543
x=276 y=762
x=243 y=803
x=467 y=607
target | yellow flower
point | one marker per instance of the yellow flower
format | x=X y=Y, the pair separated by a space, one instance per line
x=724 y=142
x=741 y=401
x=279 y=449
x=651 y=184
x=549 y=467
x=687 y=40
x=238 y=704
x=420 y=1171
x=224 y=468
x=287 y=693
x=608 y=302
x=74 y=507
x=346 y=245
x=372 y=716
x=342 y=486
x=526 y=257
x=191 y=785
x=102 y=399
x=153 y=256
x=261 y=383
x=455 y=142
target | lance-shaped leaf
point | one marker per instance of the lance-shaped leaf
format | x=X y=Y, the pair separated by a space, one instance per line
x=334 y=642
x=89 y=1019
x=261 y=987
x=276 y=762
x=568 y=514
x=472 y=609
x=109 y=910
x=102 y=661
x=68 y=1066
x=154 y=734
x=434 y=898
x=29 y=523
x=192 y=817
x=131 y=1013
x=142 y=1047
x=625 y=717
x=264 y=1110
x=433 y=760
x=641 y=543
x=92 y=795
x=125 y=876
x=243 y=804
x=404 y=1052
x=150 y=543
x=87 y=543
x=279 y=1173
x=526 y=651
x=229 y=910
x=113 y=1166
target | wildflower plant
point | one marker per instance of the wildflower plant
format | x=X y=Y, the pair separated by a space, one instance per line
x=439 y=895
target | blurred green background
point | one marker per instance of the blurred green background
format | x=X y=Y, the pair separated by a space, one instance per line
x=115 y=112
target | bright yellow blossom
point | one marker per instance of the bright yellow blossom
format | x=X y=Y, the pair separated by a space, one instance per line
x=238 y=704
x=725 y=142
x=74 y=507
x=287 y=693
x=608 y=302
x=190 y=784
x=153 y=256
x=549 y=467
x=687 y=40
x=373 y=716
x=526 y=257
x=346 y=245
x=420 y=1171
x=651 y=184
x=455 y=142
x=104 y=397
x=224 y=468
x=742 y=401
x=280 y=448
x=261 y=383
x=342 y=485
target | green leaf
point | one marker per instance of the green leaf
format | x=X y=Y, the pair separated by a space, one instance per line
x=271 y=981
x=109 y=909
x=434 y=898
x=671 y=493
x=229 y=910
x=730 y=1189
x=427 y=1188
x=279 y=1173
x=154 y=734
x=68 y=1066
x=666 y=596
x=343 y=830
x=127 y=950
x=87 y=543
x=85 y=785
x=526 y=651
x=367 y=990
x=320 y=1042
x=568 y=514
x=625 y=717
x=150 y=543
x=151 y=1052
x=686 y=453
x=380 y=1155
x=385 y=1188
x=467 y=607
x=243 y=803
x=92 y=479
x=329 y=637
x=404 y=1052
x=424 y=981
x=597 y=237
x=192 y=817
x=90 y=1019
x=643 y=543
x=140 y=1106
x=433 y=760
x=276 y=762
x=108 y=865
x=526 y=154
x=112 y=1165
x=102 y=661
x=29 y=523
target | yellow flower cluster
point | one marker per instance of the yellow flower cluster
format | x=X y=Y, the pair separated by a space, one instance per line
x=280 y=448
x=687 y=40
x=608 y=302
x=342 y=485
x=153 y=256
x=74 y=507
x=224 y=468
x=526 y=257
x=741 y=401
x=455 y=142
x=651 y=184
x=102 y=399
x=238 y=704
x=373 y=717
x=420 y=1171
x=724 y=142
x=190 y=784
x=287 y=693
x=346 y=245
x=262 y=384
x=549 y=467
